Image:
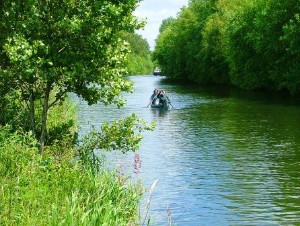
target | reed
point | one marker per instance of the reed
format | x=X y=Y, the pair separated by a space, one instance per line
x=147 y=206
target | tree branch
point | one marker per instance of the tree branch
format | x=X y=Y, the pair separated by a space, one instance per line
x=57 y=99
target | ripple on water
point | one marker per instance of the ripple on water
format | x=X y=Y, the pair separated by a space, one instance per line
x=220 y=159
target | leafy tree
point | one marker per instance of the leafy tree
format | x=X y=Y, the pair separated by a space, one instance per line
x=278 y=24
x=178 y=47
x=252 y=44
x=55 y=47
x=166 y=23
x=139 y=59
x=165 y=51
x=290 y=37
x=213 y=66
x=203 y=61
x=259 y=50
x=241 y=47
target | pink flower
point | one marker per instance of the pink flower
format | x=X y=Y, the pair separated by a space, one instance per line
x=137 y=163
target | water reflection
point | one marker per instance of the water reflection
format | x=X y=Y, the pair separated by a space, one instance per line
x=159 y=112
x=222 y=157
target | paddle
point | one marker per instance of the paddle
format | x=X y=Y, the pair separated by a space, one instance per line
x=171 y=104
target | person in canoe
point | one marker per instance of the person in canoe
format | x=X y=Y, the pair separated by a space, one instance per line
x=162 y=96
x=153 y=97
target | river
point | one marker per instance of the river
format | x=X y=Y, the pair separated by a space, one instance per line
x=222 y=156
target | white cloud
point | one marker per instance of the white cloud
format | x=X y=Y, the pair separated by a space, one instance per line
x=155 y=11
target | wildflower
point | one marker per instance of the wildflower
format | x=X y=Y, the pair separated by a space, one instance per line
x=137 y=164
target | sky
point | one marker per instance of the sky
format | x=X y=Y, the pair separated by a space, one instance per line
x=155 y=11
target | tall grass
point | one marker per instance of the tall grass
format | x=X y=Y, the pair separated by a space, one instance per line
x=58 y=187
x=49 y=189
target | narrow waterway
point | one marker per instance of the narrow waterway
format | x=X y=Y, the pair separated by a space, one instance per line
x=222 y=157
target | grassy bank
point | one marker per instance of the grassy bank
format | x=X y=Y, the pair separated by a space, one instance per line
x=56 y=190
x=56 y=187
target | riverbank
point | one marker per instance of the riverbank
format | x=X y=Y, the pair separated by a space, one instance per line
x=58 y=188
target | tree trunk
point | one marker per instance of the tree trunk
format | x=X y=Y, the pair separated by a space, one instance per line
x=32 y=112
x=44 y=116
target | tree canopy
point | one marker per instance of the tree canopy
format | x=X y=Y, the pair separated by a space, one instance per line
x=139 y=60
x=55 y=47
x=251 y=44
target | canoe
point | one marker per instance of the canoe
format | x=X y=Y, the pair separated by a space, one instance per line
x=164 y=105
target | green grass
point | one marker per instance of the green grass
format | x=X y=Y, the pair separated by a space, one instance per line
x=53 y=189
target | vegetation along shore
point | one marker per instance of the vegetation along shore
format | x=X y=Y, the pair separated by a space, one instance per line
x=47 y=50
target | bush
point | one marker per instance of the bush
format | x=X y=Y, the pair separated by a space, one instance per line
x=62 y=119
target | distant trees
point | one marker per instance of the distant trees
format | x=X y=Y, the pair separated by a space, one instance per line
x=139 y=60
x=248 y=43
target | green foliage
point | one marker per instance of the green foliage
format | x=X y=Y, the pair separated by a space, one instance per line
x=179 y=43
x=291 y=40
x=138 y=61
x=122 y=135
x=64 y=185
x=165 y=52
x=48 y=49
x=213 y=66
x=139 y=65
x=258 y=56
x=247 y=68
x=62 y=125
x=250 y=44
x=166 y=23
x=62 y=119
x=55 y=47
x=57 y=190
x=208 y=67
x=13 y=111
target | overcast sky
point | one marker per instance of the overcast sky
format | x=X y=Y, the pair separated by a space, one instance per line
x=155 y=11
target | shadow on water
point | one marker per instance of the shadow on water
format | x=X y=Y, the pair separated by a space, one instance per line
x=224 y=91
x=159 y=112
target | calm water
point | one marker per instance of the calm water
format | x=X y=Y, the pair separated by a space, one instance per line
x=221 y=157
